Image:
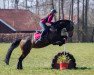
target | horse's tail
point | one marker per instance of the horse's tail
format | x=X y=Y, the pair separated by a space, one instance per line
x=12 y=47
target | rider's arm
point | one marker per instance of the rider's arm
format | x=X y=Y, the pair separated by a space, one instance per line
x=50 y=18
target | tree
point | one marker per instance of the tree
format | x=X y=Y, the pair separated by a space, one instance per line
x=26 y=6
x=78 y=34
x=52 y=2
x=85 y=19
x=72 y=9
x=4 y=1
x=37 y=7
x=16 y=4
x=62 y=8
x=71 y=14
x=59 y=10
x=8 y=4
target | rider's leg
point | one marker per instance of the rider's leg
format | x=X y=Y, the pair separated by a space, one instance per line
x=44 y=28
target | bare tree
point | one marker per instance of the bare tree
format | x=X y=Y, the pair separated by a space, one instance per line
x=72 y=2
x=52 y=7
x=37 y=7
x=71 y=14
x=86 y=14
x=8 y=4
x=4 y=1
x=85 y=19
x=70 y=11
x=16 y=4
x=78 y=34
x=26 y=4
x=52 y=4
x=62 y=8
x=59 y=10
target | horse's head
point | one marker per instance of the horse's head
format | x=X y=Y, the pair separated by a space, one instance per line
x=66 y=24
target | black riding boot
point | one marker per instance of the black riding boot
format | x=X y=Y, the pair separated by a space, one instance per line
x=42 y=35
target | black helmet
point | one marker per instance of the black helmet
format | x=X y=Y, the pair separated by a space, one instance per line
x=53 y=11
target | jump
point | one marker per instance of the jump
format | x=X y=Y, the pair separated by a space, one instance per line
x=55 y=36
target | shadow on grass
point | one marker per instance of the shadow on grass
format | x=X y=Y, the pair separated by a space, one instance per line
x=42 y=68
x=48 y=68
x=83 y=68
x=77 y=68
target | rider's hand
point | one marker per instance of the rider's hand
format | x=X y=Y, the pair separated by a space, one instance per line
x=48 y=24
x=52 y=23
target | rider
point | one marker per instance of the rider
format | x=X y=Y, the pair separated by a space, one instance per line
x=45 y=20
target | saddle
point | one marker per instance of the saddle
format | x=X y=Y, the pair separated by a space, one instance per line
x=37 y=34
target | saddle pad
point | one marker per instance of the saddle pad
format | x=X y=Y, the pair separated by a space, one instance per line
x=37 y=36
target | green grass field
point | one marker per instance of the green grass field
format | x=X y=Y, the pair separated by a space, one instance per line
x=38 y=62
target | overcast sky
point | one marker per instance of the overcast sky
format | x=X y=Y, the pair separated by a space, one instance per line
x=10 y=4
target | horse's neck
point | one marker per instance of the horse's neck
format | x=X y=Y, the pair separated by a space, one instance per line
x=52 y=35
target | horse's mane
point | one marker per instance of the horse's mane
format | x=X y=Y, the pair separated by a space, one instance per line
x=68 y=24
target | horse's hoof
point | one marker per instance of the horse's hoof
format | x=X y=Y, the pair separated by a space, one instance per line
x=7 y=63
x=19 y=68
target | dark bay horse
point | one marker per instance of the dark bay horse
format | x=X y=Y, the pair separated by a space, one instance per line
x=27 y=43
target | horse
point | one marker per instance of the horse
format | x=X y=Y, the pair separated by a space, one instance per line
x=52 y=37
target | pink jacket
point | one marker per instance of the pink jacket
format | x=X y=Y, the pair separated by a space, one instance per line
x=48 y=19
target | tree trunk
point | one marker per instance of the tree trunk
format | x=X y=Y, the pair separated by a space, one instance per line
x=16 y=4
x=62 y=8
x=86 y=15
x=72 y=10
x=92 y=38
x=59 y=10
x=37 y=7
x=78 y=34
x=85 y=20
x=71 y=15
x=4 y=1
x=8 y=4
x=26 y=4
x=52 y=4
x=52 y=1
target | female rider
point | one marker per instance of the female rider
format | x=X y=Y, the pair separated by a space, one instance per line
x=45 y=20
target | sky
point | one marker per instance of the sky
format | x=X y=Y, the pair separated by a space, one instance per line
x=2 y=5
x=10 y=4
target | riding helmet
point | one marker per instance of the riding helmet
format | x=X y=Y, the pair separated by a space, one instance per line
x=53 y=11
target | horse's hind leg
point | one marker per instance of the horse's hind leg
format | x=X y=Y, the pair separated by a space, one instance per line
x=25 y=47
x=19 y=65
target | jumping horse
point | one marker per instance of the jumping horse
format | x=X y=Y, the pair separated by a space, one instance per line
x=52 y=37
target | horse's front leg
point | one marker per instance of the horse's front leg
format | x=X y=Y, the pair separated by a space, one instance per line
x=25 y=47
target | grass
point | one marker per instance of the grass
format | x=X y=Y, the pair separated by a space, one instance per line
x=38 y=62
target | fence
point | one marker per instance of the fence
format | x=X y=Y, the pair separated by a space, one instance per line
x=9 y=37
